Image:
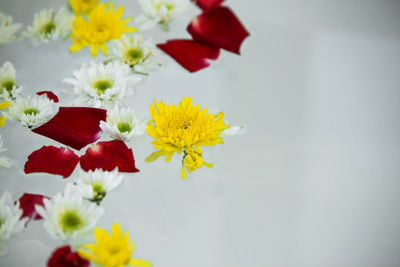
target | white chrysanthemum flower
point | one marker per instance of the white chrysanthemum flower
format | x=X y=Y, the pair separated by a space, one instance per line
x=123 y=124
x=94 y=185
x=8 y=87
x=8 y=29
x=50 y=27
x=101 y=85
x=4 y=162
x=31 y=111
x=67 y=217
x=10 y=219
x=141 y=56
x=160 y=12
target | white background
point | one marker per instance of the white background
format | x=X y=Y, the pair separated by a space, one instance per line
x=314 y=182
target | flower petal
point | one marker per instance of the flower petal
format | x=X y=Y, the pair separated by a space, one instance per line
x=139 y=263
x=190 y=54
x=107 y=156
x=51 y=159
x=64 y=256
x=27 y=203
x=218 y=27
x=50 y=95
x=208 y=4
x=74 y=126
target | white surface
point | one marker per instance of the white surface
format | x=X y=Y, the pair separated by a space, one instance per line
x=314 y=182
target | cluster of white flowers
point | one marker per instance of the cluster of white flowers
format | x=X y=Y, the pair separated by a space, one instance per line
x=69 y=216
x=10 y=219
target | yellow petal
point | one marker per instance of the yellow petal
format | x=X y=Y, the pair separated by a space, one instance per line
x=116 y=230
x=103 y=48
x=2 y=120
x=5 y=104
x=183 y=173
x=75 y=47
x=153 y=156
x=93 y=50
x=139 y=263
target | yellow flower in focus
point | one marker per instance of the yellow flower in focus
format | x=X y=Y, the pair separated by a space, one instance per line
x=111 y=250
x=83 y=6
x=102 y=25
x=3 y=105
x=184 y=128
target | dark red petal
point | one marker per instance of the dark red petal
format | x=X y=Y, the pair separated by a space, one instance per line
x=52 y=160
x=192 y=55
x=74 y=126
x=50 y=95
x=107 y=156
x=219 y=27
x=27 y=203
x=65 y=257
x=208 y=4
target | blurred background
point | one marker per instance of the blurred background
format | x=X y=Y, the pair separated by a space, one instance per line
x=315 y=181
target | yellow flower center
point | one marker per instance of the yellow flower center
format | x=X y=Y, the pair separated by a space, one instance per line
x=133 y=55
x=124 y=127
x=100 y=86
x=8 y=84
x=31 y=111
x=70 y=221
x=48 y=28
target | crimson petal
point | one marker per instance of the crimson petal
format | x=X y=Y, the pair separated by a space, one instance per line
x=27 y=203
x=74 y=126
x=107 y=156
x=219 y=27
x=208 y=4
x=65 y=257
x=51 y=159
x=50 y=95
x=190 y=54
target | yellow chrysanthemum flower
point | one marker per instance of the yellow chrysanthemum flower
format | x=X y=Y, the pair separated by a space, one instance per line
x=101 y=26
x=83 y=6
x=3 y=105
x=111 y=250
x=184 y=128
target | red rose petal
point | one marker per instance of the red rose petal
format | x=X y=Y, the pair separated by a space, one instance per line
x=107 y=156
x=74 y=126
x=51 y=159
x=50 y=95
x=65 y=257
x=218 y=27
x=27 y=203
x=208 y=4
x=192 y=55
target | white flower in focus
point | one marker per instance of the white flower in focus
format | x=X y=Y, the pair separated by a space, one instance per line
x=10 y=219
x=8 y=29
x=67 y=217
x=8 y=87
x=4 y=162
x=50 y=27
x=160 y=12
x=139 y=55
x=101 y=85
x=123 y=124
x=31 y=111
x=94 y=185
